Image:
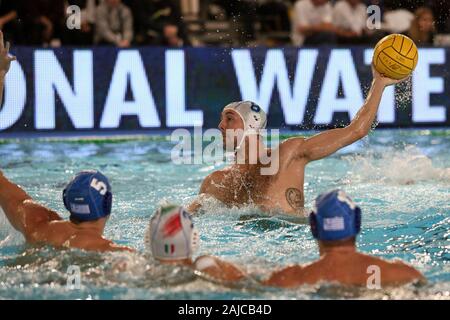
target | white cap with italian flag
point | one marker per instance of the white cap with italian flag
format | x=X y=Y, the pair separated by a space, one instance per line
x=171 y=234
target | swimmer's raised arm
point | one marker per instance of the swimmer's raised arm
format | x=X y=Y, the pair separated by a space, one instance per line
x=5 y=63
x=330 y=141
x=23 y=213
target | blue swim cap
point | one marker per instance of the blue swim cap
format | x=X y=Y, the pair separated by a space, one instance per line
x=88 y=196
x=335 y=217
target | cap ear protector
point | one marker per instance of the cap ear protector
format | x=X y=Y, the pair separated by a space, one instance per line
x=66 y=205
x=107 y=202
x=358 y=219
x=253 y=116
x=195 y=236
x=313 y=224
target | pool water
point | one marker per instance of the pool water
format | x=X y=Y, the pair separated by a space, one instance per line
x=400 y=178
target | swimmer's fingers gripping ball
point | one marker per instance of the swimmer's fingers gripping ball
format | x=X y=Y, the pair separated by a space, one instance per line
x=395 y=56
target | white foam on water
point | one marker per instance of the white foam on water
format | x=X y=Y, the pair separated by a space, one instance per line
x=8 y=235
x=407 y=166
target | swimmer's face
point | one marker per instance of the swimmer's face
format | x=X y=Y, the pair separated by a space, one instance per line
x=230 y=121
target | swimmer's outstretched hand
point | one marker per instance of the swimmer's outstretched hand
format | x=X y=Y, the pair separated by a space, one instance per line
x=385 y=80
x=5 y=57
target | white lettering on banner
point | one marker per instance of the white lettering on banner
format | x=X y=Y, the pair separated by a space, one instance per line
x=129 y=66
x=15 y=96
x=177 y=115
x=424 y=85
x=293 y=100
x=386 y=111
x=76 y=94
x=50 y=78
x=341 y=69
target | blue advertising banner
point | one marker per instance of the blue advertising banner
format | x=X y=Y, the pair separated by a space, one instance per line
x=70 y=90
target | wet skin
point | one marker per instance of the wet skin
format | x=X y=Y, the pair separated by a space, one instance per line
x=243 y=184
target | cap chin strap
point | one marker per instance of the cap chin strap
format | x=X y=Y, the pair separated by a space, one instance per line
x=247 y=133
x=148 y=239
x=195 y=241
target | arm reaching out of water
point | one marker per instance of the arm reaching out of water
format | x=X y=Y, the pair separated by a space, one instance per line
x=330 y=141
x=23 y=213
x=16 y=203
x=39 y=224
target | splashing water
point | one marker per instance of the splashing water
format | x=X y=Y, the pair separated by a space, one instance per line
x=8 y=235
x=406 y=166
x=399 y=178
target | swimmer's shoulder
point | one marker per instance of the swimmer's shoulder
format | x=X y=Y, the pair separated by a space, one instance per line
x=292 y=147
x=401 y=272
x=211 y=179
x=393 y=271
x=290 y=276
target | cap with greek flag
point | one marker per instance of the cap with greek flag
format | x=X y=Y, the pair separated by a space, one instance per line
x=335 y=217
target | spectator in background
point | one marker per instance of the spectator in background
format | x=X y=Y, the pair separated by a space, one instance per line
x=441 y=10
x=114 y=24
x=151 y=17
x=243 y=15
x=312 y=23
x=274 y=16
x=422 y=27
x=350 y=16
x=275 y=26
x=171 y=38
x=43 y=21
x=410 y=5
x=85 y=35
x=8 y=20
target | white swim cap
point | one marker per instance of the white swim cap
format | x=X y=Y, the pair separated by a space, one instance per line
x=171 y=234
x=252 y=115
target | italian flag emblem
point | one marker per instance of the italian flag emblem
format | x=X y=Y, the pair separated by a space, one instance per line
x=169 y=248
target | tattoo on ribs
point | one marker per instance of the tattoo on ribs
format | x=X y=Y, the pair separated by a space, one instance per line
x=295 y=198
